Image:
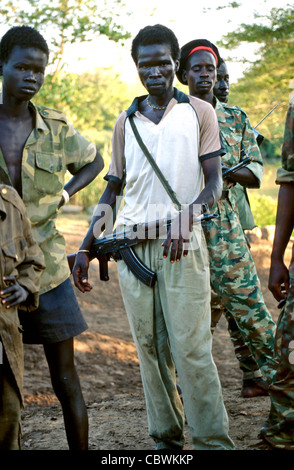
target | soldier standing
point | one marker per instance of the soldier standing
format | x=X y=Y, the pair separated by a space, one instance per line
x=253 y=384
x=170 y=322
x=279 y=429
x=38 y=146
x=21 y=265
x=233 y=273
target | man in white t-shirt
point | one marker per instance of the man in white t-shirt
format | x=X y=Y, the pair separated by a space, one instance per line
x=170 y=322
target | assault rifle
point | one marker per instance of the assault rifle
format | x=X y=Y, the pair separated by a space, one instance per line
x=119 y=245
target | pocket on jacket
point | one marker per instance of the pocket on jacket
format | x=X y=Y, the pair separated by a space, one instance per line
x=49 y=174
x=14 y=253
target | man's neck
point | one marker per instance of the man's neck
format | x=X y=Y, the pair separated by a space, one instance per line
x=153 y=107
x=208 y=97
x=14 y=109
x=161 y=100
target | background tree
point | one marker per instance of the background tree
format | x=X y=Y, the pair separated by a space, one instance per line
x=66 y=22
x=267 y=80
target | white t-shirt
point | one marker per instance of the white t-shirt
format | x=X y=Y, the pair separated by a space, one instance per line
x=187 y=133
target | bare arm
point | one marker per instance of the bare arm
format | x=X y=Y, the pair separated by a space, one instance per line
x=246 y=178
x=103 y=213
x=84 y=176
x=279 y=274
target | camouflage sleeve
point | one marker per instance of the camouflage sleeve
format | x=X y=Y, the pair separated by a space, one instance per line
x=78 y=151
x=285 y=174
x=250 y=146
x=30 y=271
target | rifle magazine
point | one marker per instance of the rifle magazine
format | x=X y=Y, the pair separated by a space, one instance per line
x=138 y=268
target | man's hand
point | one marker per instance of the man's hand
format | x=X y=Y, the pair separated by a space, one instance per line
x=14 y=294
x=178 y=236
x=278 y=282
x=80 y=272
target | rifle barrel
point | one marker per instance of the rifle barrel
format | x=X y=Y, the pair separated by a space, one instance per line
x=266 y=116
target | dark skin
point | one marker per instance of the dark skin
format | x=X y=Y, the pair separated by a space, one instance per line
x=222 y=85
x=156 y=69
x=14 y=294
x=200 y=76
x=279 y=274
x=22 y=77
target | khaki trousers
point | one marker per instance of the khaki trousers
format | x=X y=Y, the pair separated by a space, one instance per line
x=10 y=409
x=170 y=324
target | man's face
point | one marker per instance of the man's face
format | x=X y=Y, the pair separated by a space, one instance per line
x=156 y=68
x=200 y=73
x=222 y=85
x=23 y=73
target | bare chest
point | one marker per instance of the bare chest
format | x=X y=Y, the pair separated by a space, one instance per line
x=13 y=136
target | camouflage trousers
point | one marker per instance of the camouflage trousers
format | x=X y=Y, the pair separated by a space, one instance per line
x=279 y=429
x=234 y=279
x=247 y=362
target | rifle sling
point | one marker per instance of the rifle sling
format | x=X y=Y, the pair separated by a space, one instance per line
x=154 y=165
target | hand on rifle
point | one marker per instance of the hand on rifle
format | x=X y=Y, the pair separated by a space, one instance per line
x=178 y=236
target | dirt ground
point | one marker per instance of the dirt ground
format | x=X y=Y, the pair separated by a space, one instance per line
x=107 y=363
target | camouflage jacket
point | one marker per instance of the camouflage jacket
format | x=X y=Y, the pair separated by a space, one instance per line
x=20 y=257
x=285 y=174
x=237 y=134
x=52 y=148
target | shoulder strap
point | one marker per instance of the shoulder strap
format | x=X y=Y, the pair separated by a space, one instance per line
x=154 y=165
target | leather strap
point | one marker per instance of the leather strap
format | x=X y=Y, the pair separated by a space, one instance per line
x=154 y=165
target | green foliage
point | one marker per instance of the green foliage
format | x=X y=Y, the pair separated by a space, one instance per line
x=91 y=101
x=263 y=201
x=266 y=80
x=264 y=209
x=66 y=21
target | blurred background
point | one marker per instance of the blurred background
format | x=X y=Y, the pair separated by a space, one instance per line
x=92 y=78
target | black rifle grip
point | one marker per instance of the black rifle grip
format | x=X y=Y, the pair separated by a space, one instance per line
x=103 y=268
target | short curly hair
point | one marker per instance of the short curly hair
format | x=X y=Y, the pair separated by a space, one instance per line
x=156 y=34
x=22 y=36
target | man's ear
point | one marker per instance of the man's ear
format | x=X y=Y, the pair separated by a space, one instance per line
x=177 y=65
x=184 y=76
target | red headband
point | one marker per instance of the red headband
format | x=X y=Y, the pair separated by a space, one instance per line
x=204 y=48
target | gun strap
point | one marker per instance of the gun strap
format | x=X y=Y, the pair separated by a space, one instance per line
x=154 y=165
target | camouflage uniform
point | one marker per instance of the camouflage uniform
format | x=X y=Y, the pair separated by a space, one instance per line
x=279 y=429
x=248 y=364
x=20 y=257
x=233 y=274
x=52 y=148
